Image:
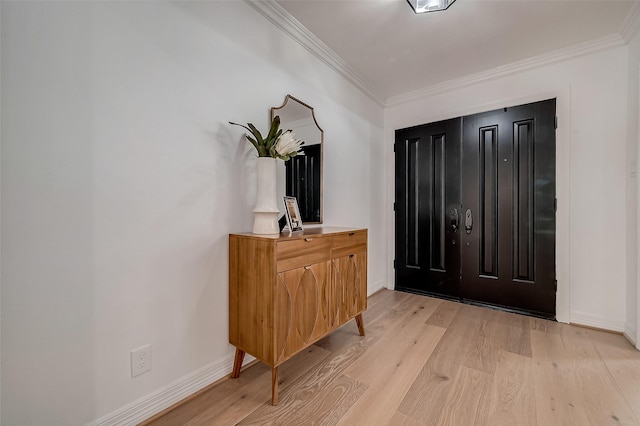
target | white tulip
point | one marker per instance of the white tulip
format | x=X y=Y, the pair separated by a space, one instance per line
x=287 y=145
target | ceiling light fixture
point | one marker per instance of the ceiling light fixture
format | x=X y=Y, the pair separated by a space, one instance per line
x=422 y=6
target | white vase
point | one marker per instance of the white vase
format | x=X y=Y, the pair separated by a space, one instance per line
x=266 y=211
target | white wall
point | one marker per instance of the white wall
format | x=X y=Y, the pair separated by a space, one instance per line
x=0 y=229
x=633 y=283
x=121 y=180
x=592 y=169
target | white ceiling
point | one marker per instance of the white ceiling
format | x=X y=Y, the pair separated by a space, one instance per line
x=394 y=51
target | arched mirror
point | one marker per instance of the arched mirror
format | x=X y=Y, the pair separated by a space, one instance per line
x=303 y=173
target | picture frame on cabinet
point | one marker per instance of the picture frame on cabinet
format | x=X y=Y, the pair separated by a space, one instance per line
x=291 y=210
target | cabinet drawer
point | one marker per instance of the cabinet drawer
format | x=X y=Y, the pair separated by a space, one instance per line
x=305 y=251
x=349 y=243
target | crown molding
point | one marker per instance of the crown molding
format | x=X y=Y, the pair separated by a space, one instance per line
x=282 y=19
x=631 y=22
x=559 y=55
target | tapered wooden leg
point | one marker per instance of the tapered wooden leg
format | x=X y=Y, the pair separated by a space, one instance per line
x=360 y=324
x=237 y=363
x=274 y=386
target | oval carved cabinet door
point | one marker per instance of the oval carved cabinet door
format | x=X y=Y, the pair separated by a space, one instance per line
x=302 y=287
x=283 y=319
x=353 y=293
x=347 y=282
x=305 y=307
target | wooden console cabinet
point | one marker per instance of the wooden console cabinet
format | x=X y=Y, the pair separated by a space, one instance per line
x=288 y=291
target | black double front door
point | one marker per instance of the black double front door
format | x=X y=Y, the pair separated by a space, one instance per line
x=475 y=208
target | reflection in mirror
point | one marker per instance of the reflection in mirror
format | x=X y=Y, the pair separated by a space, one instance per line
x=303 y=173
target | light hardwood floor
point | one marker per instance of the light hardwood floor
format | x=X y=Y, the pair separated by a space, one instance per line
x=427 y=361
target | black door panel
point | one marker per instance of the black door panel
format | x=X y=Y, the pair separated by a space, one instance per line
x=427 y=195
x=509 y=156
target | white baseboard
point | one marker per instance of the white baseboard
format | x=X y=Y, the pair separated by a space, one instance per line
x=374 y=287
x=164 y=398
x=595 y=321
x=631 y=333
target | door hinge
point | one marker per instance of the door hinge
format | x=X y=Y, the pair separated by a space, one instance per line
x=394 y=206
x=555 y=122
x=555 y=285
x=555 y=205
x=394 y=264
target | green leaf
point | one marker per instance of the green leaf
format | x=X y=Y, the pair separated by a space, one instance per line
x=275 y=124
x=274 y=133
x=241 y=125
x=257 y=141
x=256 y=133
x=253 y=142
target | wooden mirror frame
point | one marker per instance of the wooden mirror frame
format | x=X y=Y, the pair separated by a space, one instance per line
x=305 y=162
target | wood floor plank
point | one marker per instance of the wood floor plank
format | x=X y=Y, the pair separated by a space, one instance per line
x=622 y=362
x=212 y=396
x=302 y=395
x=400 y=419
x=384 y=299
x=244 y=400
x=384 y=296
x=481 y=351
x=444 y=314
x=512 y=398
x=544 y=325
x=515 y=333
x=558 y=400
x=603 y=403
x=324 y=407
x=334 y=402
x=427 y=395
x=390 y=367
x=375 y=319
x=405 y=331
x=388 y=386
x=466 y=403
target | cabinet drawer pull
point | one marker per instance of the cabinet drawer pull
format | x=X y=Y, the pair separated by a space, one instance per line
x=351 y=234
x=308 y=239
x=351 y=255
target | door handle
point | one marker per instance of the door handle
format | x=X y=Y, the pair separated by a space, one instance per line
x=455 y=220
x=468 y=221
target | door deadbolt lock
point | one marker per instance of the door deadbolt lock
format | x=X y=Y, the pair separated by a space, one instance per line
x=468 y=221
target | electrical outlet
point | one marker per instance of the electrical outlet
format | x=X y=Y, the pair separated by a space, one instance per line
x=140 y=360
